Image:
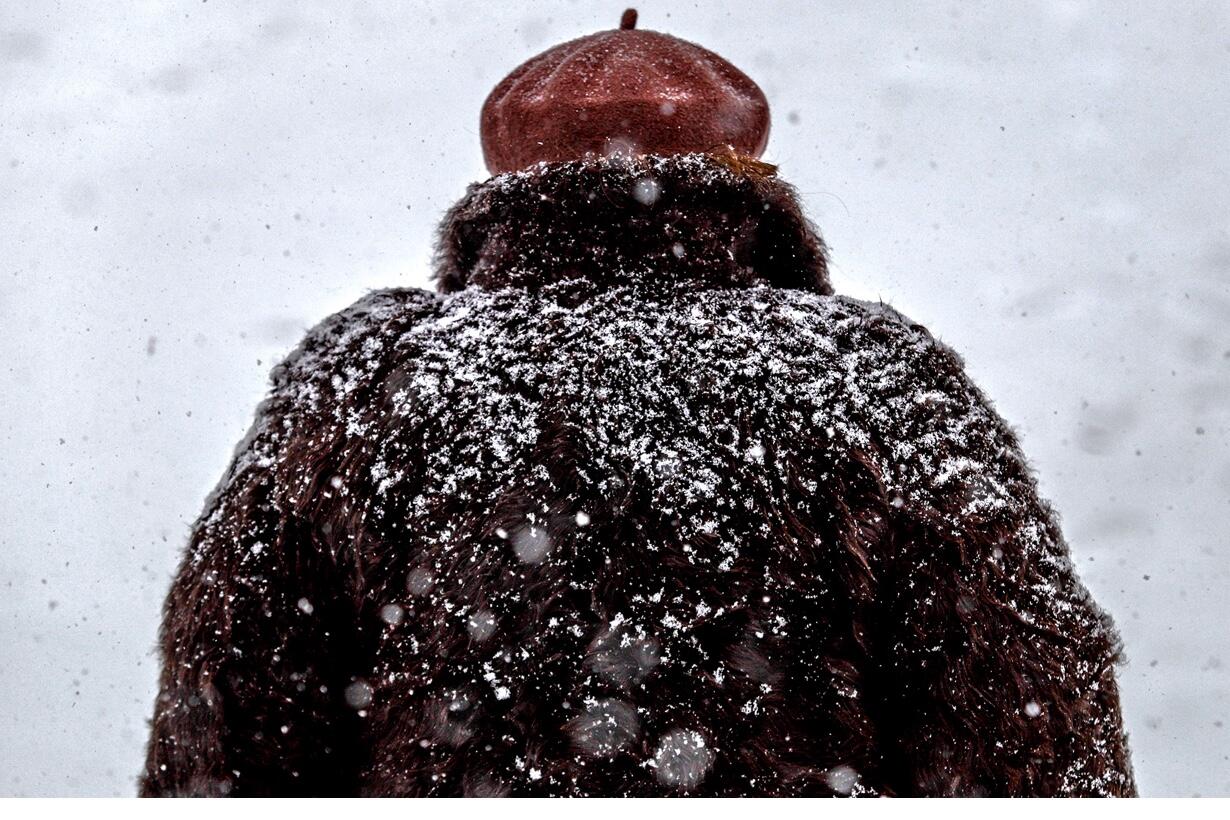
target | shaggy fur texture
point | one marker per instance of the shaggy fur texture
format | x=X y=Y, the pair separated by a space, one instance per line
x=634 y=506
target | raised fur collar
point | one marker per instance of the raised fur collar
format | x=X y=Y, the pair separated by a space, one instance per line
x=695 y=218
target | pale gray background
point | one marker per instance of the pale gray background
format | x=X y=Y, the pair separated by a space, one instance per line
x=186 y=187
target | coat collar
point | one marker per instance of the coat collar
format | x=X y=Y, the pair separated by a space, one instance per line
x=697 y=218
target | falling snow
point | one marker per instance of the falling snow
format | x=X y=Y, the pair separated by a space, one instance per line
x=682 y=758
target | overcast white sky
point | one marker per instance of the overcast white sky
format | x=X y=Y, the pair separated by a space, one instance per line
x=186 y=187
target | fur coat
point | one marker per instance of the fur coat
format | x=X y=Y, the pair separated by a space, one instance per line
x=632 y=505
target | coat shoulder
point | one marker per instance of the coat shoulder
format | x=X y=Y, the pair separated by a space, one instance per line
x=352 y=337
x=881 y=345
x=334 y=357
x=906 y=395
x=880 y=326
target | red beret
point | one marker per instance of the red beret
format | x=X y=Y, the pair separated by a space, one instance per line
x=621 y=91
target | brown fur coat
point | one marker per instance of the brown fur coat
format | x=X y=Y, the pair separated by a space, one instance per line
x=633 y=506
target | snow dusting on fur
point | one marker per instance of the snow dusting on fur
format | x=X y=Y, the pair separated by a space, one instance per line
x=646 y=536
